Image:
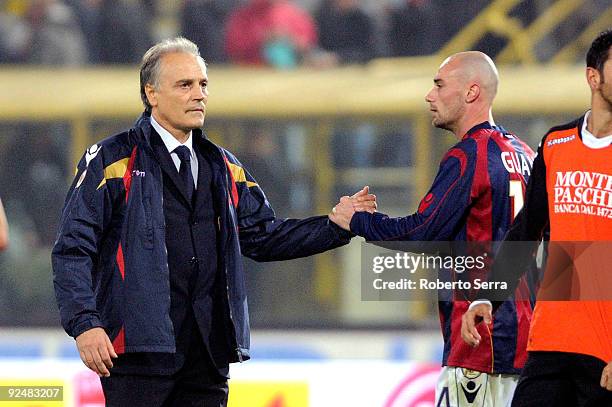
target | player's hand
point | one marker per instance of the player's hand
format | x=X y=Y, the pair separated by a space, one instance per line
x=606 y=377
x=470 y=319
x=363 y=201
x=342 y=213
x=96 y=350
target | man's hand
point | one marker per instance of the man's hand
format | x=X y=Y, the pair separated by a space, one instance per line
x=96 y=350
x=343 y=212
x=606 y=377
x=470 y=319
x=363 y=201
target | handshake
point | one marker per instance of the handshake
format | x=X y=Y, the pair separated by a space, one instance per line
x=362 y=201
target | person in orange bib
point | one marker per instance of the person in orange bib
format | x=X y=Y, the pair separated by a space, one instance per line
x=570 y=190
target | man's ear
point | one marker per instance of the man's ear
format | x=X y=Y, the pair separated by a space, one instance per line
x=593 y=78
x=473 y=93
x=151 y=94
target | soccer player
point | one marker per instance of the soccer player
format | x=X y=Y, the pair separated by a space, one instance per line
x=570 y=342
x=474 y=197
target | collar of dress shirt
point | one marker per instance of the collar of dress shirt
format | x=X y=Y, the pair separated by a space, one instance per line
x=589 y=138
x=169 y=140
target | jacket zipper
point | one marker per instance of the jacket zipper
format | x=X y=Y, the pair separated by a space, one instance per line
x=161 y=179
x=227 y=290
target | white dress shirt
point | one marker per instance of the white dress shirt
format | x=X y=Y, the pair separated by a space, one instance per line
x=172 y=143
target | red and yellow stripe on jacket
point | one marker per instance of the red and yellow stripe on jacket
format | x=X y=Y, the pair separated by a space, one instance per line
x=121 y=169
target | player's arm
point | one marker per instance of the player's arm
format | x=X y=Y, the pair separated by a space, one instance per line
x=513 y=260
x=4 y=229
x=440 y=212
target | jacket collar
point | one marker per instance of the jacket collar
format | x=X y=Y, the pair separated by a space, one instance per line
x=169 y=140
x=162 y=155
x=144 y=127
x=143 y=123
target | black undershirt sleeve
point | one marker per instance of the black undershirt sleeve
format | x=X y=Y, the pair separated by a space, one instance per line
x=529 y=227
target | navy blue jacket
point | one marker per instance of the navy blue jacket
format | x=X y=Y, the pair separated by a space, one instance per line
x=110 y=264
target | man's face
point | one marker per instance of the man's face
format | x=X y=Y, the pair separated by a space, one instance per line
x=606 y=80
x=179 y=99
x=446 y=97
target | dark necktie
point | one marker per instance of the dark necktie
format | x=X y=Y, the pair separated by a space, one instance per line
x=185 y=170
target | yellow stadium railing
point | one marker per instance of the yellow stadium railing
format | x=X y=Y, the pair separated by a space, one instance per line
x=571 y=51
x=521 y=45
x=493 y=18
x=496 y=18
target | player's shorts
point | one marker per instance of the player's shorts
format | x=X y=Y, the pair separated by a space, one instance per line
x=459 y=387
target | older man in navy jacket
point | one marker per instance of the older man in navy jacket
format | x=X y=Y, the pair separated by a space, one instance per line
x=147 y=267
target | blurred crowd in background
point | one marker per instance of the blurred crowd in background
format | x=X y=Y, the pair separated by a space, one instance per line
x=280 y=33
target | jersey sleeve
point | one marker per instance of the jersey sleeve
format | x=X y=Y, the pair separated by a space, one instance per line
x=440 y=213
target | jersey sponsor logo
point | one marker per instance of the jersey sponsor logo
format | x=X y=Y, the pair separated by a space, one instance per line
x=583 y=192
x=516 y=163
x=560 y=140
x=470 y=390
x=91 y=153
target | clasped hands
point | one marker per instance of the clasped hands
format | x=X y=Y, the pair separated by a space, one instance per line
x=343 y=212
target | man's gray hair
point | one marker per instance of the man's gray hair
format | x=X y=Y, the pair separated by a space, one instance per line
x=151 y=62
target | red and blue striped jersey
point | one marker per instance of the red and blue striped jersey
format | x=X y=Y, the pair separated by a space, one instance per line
x=477 y=192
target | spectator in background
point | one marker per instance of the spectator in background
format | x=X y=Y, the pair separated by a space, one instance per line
x=345 y=31
x=14 y=35
x=55 y=37
x=88 y=14
x=270 y=32
x=123 y=30
x=457 y=14
x=203 y=22
x=4 y=230
x=41 y=170
x=412 y=29
x=262 y=154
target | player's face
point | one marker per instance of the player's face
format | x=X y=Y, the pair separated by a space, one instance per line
x=445 y=97
x=606 y=80
x=179 y=100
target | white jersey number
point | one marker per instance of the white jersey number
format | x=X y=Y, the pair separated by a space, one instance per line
x=516 y=193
